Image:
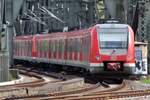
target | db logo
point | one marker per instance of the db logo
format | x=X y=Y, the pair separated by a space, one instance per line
x=113 y=57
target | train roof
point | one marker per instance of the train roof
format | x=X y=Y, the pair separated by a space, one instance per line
x=73 y=33
x=23 y=37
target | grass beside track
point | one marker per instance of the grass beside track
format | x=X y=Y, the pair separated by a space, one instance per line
x=147 y=81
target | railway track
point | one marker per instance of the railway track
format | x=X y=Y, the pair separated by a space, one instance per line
x=97 y=96
x=70 y=94
x=35 y=87
x=53 y=75
x=105 y=96
x=21 y=88
x=57 y=94
x=54 y=93
x=87 y=92
x=123 y=85
x=39 y=80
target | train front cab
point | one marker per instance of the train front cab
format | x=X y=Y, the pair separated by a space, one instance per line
x=112 y=49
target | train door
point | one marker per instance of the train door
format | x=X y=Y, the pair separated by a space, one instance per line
x=81 y=48
x=68 y=49
x=75 y=49
x=46 y=49
x=87 y=45
x=57 y=49
x=38 y=48
x=43 y=48
x=78 y=49
x=49 y=51
x=84 y=49
x=20 y=47
x=15 y=48
x=52 y=49
x=25 y=50
x=40 y=52
x=34 y=49
x=28 y=48
x=60 y=49
x=63 y=49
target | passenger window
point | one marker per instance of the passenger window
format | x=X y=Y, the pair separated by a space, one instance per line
x=38 y=47
x=79 y=46
x=60 y=45
x=63 y=45
x=57 y=43
x=44 y=46
x=49 y=42
x=73 y=45
x=54 y=44
x=51 y=46
x=68 y=45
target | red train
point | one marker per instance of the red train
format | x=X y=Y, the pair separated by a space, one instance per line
x=103 y=47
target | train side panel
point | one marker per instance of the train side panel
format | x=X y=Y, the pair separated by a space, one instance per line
x=23 y=47
x=77 y=49
x=129 y=64
x=96 y=65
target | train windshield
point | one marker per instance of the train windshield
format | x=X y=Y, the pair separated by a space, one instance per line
x=113 y=38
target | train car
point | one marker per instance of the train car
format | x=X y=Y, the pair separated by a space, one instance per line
x=23 y=47
x=100 y=48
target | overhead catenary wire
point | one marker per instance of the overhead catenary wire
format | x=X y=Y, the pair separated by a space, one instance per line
x=50 y=14
x=35 y=19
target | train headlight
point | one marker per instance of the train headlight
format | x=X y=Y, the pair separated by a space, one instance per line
x=97 y=57
x=129 y=57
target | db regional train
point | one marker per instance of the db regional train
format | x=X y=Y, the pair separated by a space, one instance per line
x=100 y=48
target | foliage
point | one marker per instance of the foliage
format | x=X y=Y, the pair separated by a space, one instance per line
x=101 y=9
x=147 y=81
